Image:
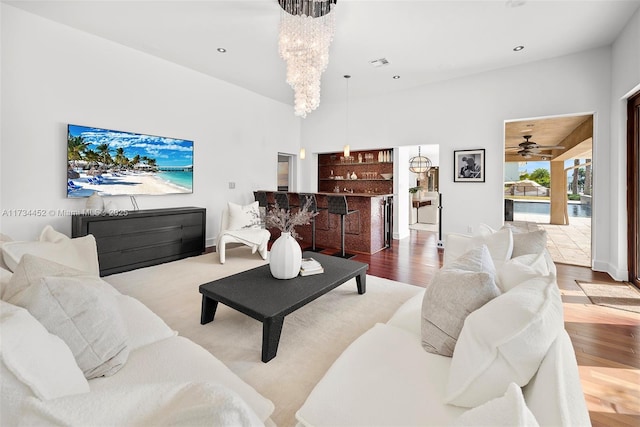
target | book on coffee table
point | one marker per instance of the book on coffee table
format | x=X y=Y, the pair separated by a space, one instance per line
x=310 y=266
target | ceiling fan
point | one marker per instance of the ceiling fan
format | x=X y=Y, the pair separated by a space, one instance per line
x=527 y=148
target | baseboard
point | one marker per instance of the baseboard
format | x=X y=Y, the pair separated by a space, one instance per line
x=615 y=273
x=398 y=236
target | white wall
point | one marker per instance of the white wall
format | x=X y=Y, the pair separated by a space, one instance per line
x=625 y=81
x=53 y=75
x=469 y=113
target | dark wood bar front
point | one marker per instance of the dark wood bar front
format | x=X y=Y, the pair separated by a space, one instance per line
x=367 y=231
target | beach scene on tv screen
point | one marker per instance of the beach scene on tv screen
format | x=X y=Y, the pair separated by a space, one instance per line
x=117 y=163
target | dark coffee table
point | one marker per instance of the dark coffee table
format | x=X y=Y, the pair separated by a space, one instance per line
x=258 y=294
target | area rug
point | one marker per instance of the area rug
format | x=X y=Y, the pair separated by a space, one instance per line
x=312 y=337
x=622 y=296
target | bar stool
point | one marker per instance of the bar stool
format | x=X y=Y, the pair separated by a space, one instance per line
x=313 y=207
x=261 y=198
x=338 y=205
x=282 y=200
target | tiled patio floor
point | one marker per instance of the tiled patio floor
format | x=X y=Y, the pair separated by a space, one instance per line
x=568 y=244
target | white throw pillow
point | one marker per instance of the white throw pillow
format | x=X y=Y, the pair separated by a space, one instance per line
x=533 y=242
x=32 y=268
x=475 y=259
x=39 y=359
x=79 y=253
x=455 y=246
x=500 y=245
x=4 y=239
x=450 y=297
x=86 y=317
x=49 y=234
x=244 y=216
x=509 y=410
x=5 y=277
x=503 y=342
x=522 y=268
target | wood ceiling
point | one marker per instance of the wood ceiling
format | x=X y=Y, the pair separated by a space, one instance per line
x=575 y=133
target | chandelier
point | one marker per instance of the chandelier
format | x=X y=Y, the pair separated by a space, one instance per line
x=306 y=31
x=420 y=165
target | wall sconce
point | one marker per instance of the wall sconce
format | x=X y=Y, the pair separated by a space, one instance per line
x=303 y=154
x=347 y=150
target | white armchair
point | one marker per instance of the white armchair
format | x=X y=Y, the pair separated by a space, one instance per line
x=234 y=229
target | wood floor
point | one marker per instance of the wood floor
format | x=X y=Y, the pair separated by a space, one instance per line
x=606 y=340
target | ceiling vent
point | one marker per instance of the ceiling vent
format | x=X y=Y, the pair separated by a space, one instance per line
x=379 y=62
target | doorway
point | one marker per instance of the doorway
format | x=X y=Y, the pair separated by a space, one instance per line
x=286 y=172
x=548 y=182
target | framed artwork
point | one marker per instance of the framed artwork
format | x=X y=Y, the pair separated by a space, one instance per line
x=468 y=165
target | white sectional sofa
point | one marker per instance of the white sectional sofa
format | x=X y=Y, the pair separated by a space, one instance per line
x=75 y=351
x=512 y=361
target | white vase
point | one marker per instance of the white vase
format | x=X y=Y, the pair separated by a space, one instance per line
x=95 y=204
x=285 y=257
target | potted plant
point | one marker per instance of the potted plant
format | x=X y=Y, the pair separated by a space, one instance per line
x=414 y=191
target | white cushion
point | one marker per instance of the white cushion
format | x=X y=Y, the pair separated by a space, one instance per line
x=4 y=239
x=12 y=393
x=39 y=359
x=79 y=253
x=509 y=410
x=32 y=268
x=533 y=242
x=241 y=217
x=85 y=317
x=144 y=327
x=555 y=394
x=49 y=234
x=156 y=404
x=522 y=268
x=500 y=245
x=504 y=341
x=179 y=359
x=409 y=315
x=455 y=246
x=5 y=276
x=450 y=297
x=384 y=378
x=477 y=258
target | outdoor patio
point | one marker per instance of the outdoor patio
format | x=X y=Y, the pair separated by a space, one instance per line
x=568 y=244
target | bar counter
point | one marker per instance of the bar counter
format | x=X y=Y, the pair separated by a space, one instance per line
x=367 y=231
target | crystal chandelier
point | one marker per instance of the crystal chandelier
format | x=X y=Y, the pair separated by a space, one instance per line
x=306 y=31
x=420 y=165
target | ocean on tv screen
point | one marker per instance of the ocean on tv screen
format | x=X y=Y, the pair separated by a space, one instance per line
x=115 y=163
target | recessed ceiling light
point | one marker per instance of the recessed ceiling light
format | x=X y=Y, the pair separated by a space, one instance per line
x=221 y=50
x=396 y=77
x=518 y=48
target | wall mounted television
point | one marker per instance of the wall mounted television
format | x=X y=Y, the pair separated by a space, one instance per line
x=117 y=163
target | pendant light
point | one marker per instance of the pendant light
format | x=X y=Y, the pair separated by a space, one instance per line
x=347 y=148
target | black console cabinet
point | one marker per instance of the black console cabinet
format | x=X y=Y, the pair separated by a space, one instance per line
x=143 y=238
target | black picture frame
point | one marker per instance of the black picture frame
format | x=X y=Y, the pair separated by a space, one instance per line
x=468 y=165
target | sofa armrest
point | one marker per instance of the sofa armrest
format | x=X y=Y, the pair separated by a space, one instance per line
x=408 y=316
x=383 y=378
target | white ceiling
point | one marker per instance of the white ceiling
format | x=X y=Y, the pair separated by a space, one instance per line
x=425 y=41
